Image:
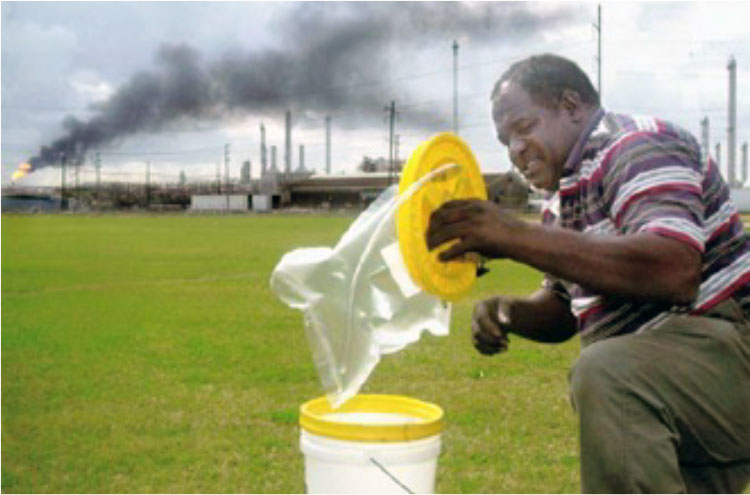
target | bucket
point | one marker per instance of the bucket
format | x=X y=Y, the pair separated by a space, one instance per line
x=371 y=444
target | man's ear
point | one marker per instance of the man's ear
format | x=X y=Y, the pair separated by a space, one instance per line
x=571 y=103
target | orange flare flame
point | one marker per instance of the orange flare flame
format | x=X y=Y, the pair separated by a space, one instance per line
x=23 y=171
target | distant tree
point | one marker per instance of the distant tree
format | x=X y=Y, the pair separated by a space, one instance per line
x=368 y=165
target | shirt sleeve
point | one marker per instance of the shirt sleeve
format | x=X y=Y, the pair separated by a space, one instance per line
x=654 y=184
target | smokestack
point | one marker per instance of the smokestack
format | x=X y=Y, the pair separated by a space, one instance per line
x=288 y=144
x=263 y=158
x=328 y=144
x=273 y=159
x=301 y=166
x=705 y=140
x=732 y=125
x=245 y=172
x=744 y=162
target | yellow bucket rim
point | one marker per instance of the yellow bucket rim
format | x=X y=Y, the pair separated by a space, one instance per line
x=429 y=419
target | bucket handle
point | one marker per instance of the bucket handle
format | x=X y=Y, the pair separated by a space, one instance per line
x=390 y=475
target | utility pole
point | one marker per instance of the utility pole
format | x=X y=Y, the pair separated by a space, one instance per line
x=455 y=87
x=98 y=167
x=328 y=145
x=148 y=183
x=218 y=177
x=398 y=139
x=226 y=168
x=705 y=137
x=744 y=162
x=63 y=166
x=732 y=123
x=391 y=117
x=598 y=27
x=77 y=177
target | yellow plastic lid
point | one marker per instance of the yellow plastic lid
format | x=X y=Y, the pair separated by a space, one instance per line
x=449 y=281
x=418 y=419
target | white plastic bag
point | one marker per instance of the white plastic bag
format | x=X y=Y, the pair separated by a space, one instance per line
x=358 y=299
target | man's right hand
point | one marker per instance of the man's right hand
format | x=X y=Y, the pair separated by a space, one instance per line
x=489 y=325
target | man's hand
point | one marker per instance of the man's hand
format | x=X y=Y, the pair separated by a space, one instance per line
x=479 y=226
x=489 y=325
x=541 y=317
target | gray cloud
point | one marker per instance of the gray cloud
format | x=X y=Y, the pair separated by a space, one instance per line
x=328 y=59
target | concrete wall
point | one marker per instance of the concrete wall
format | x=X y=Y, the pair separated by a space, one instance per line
x=262 y=202
x=29 y=203
x=216 y=202
x=741 y=199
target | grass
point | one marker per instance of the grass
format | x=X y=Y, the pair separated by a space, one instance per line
x=147 y=354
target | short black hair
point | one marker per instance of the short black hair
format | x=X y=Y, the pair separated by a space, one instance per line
x=546 y=76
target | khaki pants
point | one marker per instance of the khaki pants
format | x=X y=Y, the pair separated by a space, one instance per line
x=667 y=410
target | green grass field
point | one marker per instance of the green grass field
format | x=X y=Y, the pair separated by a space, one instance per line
x=147 y=354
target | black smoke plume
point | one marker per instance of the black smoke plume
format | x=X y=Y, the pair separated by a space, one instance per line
x=331 y=57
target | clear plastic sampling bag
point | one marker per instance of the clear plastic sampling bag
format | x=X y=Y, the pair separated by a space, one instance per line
x=358 y=299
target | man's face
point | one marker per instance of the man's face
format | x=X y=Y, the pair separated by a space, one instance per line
x=538 y=138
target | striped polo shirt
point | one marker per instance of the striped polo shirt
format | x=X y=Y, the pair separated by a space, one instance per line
x=629 y=174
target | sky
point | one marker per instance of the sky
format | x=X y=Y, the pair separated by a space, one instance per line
x=171 y=83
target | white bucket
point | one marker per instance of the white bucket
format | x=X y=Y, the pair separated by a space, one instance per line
x=371 y=444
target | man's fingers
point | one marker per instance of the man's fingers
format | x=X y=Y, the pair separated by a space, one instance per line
x=487 y=322
x=457 y=250
x=437 y=236
x=489 y=341
x=484 y=346
x=456 y=204
x=487 y=336
x=489 y=348
x=487 y=333
x=450 y=212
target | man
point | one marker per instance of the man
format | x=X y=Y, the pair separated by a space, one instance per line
x=645 y=259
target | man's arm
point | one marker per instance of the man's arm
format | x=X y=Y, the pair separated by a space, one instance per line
x=543 y=317
x=641 y=267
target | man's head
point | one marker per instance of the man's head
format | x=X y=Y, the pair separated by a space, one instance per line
x=540 y=106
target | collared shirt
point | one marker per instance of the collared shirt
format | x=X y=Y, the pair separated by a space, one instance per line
x=631 y=174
